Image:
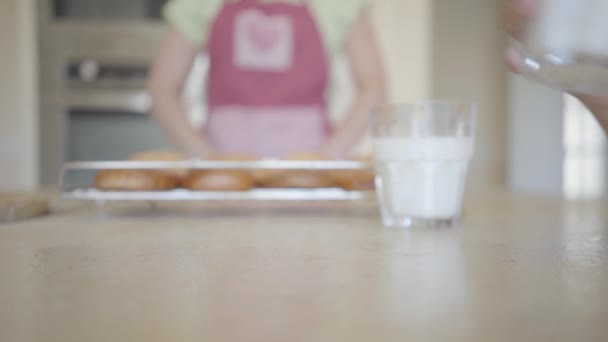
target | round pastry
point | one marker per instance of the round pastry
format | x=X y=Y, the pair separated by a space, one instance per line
x=355 y=179
x=304 y=179
x=134 y=180
x=222 y=180
x=219 y=180
x=161 y=156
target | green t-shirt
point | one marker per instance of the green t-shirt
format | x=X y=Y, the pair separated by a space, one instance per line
x=335 y=18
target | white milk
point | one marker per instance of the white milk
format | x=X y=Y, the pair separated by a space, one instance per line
x=422 y=178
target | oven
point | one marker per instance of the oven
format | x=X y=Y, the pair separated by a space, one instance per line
x=94 y=58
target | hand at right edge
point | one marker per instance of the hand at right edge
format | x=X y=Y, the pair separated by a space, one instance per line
x=517 y=16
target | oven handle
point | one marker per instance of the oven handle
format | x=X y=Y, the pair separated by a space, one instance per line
x=128 y=101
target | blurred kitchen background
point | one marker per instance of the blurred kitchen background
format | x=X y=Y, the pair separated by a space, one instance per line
x=72 y=76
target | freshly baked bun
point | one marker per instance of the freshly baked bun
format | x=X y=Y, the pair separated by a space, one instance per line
x=221 y=180
x=134 y=180
x=355 y=179
x=300 y=180
x=305 y=179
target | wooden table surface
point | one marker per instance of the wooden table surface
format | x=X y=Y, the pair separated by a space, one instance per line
x=519 y=269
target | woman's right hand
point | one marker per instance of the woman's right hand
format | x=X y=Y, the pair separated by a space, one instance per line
x=518 y=15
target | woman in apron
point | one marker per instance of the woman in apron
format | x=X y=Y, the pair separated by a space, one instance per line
x=268 y=77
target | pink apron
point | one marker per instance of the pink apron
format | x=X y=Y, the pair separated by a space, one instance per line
x=267 y=80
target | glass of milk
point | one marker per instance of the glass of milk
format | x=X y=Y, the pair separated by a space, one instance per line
x=422 y=153
x=566 y=45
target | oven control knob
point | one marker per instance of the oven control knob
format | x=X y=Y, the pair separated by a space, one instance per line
x=88 y=70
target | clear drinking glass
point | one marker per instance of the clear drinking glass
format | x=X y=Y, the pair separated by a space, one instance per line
x=422 y=153
x=566 y=45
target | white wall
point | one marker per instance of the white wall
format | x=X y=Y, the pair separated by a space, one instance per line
x=405 y=33
x=468 y=48
x=536 y=149
x=18 y=103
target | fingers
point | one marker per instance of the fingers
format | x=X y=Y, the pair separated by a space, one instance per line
x=518 y=14
x=513 y=60
x=517 y=17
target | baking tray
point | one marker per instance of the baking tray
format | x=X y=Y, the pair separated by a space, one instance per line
x=89 y=193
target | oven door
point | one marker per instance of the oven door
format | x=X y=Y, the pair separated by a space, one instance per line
x=95 y=126
x=97 y=134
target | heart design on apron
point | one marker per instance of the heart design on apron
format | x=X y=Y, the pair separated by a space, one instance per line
x=264 y=34
x=263 y=42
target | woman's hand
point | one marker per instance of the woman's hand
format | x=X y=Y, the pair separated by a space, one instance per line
x=165 y=86
x=517 y=17
x=368 y=74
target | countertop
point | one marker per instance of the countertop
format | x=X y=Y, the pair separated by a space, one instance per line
x=518 y=269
